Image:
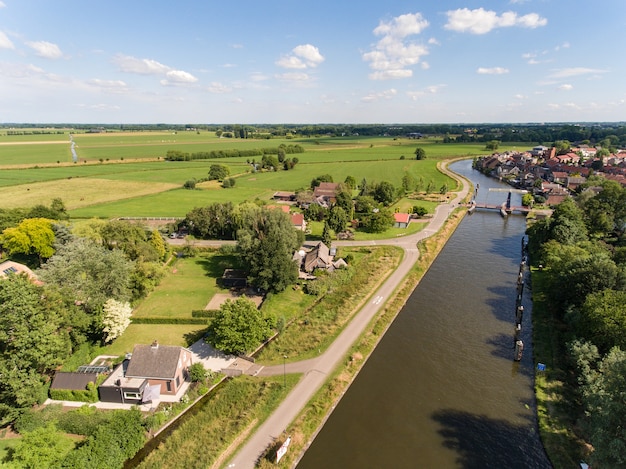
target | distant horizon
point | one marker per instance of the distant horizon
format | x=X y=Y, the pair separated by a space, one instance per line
x=269 y=124
x=397 y=61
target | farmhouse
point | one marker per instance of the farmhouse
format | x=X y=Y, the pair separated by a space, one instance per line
x=318 y=257
x=152 y=370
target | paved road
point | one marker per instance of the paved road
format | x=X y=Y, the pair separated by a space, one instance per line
x=316 y=370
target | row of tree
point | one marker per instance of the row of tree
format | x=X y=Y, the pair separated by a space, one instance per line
x=177 y=155
x=582 y=249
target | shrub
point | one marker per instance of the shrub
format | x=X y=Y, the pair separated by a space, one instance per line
x=197 y=373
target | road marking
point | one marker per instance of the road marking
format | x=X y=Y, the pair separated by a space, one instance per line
x=377 y=300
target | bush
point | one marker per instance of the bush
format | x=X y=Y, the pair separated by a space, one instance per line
x=83 y=421
x=88 y=395
x=198 y=373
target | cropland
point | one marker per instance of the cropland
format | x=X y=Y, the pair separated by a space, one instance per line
x=125 y=174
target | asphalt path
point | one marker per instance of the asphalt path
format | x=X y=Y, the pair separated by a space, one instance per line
x=317 y=370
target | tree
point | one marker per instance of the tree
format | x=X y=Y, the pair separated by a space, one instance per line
x=379 y=221
x=32 y=342
x=602 y=388
x=130 y=238
x=218 y=172
x=419 y=210
x=319 y=179
x=190 y=184
x=337 y=219
x=326 y=238
x=343 y=199
x=112 y=443
x=31 y=236
x=238 y=327
x=420 y=153
x=350 y=182
x=270 y=162
x=603 y=319
x=364 y=204
x=266 y=246
x=492 y=145
x=213 y=221
x=42 y=447
x=408 y=182
x=88 y=273
x=115 y=319
x=384 y=192
x=156 y=240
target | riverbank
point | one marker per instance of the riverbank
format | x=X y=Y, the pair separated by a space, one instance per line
x=311 y=419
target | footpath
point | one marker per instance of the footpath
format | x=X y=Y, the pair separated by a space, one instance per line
x=317 y=370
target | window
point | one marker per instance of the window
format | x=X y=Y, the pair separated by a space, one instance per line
x=168 y=384
x=177 y=381
x=132 y=395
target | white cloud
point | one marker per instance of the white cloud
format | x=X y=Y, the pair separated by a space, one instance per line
x=218 y=88
x=303 y=56
x=566 y=87
x=112 y=85
x=481 y=21
x=492 y=71
x=258 y=76
x=294 y=77
x=432 y=89
x=45 y=49
x=173 y=77
x=130 y=64
x=575 y=71
x=386 y=94
x=433 y=42
x=2 y=4
x=393 y=54
x=180 y=76
x=5 y=42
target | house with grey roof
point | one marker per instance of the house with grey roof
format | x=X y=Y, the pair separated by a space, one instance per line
x=158 y=369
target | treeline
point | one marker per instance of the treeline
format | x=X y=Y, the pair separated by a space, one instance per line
x=543 y=134
x=581 y=255
x=176 y=155
x=34 y=132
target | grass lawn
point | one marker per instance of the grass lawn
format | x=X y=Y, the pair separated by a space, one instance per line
x=169 y=334
x=77 y=192
x=189 y=285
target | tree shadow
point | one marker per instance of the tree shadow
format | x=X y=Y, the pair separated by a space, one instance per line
x=215 y=265
x=194 y=336
x=483 y=442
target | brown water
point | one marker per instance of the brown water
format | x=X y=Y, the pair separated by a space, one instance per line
x=442 y=390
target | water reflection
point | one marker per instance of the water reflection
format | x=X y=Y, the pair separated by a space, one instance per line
x=441 y=389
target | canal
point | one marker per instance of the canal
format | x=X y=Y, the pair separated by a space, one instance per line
x=442 y=390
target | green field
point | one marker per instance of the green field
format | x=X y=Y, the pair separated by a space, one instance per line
x=124 y=185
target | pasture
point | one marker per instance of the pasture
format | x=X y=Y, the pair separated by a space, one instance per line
x=133 y=179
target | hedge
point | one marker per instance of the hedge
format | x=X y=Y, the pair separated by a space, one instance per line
x=192 y=320
x=204 y=313
x=87 y=395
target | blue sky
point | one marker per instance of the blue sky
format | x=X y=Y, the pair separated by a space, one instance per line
x=283 y=61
